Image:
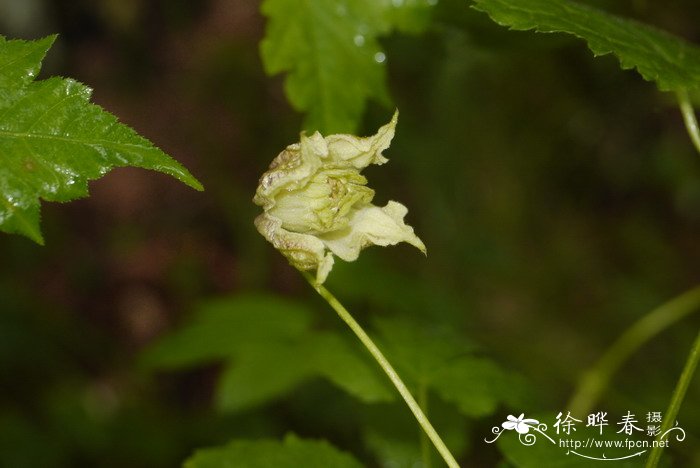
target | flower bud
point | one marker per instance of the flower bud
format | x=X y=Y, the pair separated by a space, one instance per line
x=317 y=204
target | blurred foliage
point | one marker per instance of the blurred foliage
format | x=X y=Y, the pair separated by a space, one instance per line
x=292 y=453
x=270 y=349
x=559 y=198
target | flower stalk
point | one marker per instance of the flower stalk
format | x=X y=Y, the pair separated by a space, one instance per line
x=386 y=367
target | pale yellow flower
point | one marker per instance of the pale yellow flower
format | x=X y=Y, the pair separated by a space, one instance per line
x=317 y=204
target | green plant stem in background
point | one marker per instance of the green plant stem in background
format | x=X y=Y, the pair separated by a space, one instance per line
x=691 y=123
x=424 y=442
x=387 y=367
x=678 y=394
x=596 y=380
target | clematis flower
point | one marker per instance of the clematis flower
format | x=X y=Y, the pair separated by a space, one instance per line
x=317 y=204
x=521 y=425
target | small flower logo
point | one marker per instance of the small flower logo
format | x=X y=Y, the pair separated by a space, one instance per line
x=521 y=425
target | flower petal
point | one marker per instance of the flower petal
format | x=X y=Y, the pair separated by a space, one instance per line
x=303 y=251
x=372 y=225
x=291 y=169
x=361 y=152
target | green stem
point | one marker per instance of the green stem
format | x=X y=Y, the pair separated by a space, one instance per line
x=691 y=123
x=596 y=379
x=388 y=369
x=678 y=395
x=424 y=442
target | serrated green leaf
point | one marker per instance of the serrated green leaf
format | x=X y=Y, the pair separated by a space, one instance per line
x=391 y=434
x=330 y=49
x=420 y=348
x=269 y=348
x=229 y=326
x=53 y=141
x=436 y=359
x=292 y=452
x=269 y=370
x=348 y=366
x=477 y=386
x=669 y=61
x=21 y=61
x=263 y=373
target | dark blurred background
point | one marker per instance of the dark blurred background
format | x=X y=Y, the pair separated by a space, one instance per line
x=559 y=198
